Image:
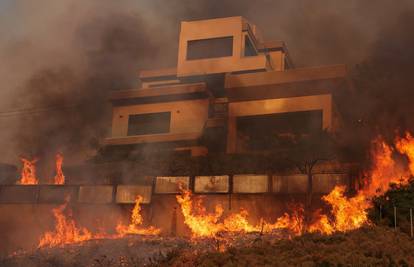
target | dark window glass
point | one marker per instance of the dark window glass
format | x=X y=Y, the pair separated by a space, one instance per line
x=249 y=50
x=150 y=123
x=262 y=131
x=210 y=48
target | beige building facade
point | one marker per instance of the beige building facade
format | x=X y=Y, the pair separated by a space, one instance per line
x=229 y=88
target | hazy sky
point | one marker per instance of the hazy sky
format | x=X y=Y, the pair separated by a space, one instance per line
x=60 y=52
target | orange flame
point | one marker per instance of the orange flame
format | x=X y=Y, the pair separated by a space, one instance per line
x=201 y=224
x=28 y=174
x=66 y=231
x=348 y=213
x=406 y=146
x=385 y=170
x=351 y=213
x=134 y=228
x=59 y=177
x=204 y=224
x=322 y=224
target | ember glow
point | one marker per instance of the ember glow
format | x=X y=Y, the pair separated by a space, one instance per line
x=59 y=177
x=28 y=174
x=135 y=227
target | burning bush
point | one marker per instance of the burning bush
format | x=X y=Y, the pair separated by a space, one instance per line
x=400 y=197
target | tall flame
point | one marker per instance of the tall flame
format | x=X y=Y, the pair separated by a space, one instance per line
x=348 y=213
x=201 y=224
x=351 y=213
x=59 y=177
x=135 y=227
x=65 y=232
x=385 y=170
x=406 y=146
x=28 y=174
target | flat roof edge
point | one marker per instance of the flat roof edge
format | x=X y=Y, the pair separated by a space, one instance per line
x=287 y=76
x=156 y=73
x=159 y=91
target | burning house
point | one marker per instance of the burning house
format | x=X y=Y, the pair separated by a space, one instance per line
x=231 y=95
x=229 y=89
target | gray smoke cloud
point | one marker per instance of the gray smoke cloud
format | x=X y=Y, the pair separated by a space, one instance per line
x=71 y=54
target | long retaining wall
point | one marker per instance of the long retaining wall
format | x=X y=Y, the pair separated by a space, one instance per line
x=126 y=194
x=26 y=210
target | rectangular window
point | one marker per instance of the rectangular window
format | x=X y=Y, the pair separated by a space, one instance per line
x=249 y=50
x=259 y=131
x=210 y=48
x=150 y=123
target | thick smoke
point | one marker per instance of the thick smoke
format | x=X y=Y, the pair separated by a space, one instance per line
x=61 y=72
x=61 y=58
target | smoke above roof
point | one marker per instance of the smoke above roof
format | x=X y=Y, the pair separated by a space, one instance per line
x=61 y=58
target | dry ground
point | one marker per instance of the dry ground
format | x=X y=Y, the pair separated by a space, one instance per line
x=373 y=246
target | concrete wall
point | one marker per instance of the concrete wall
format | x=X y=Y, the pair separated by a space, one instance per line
x=97 y=207
x=126 y=194
x=171 y=184
x=186 y=116
x=323 y=183
x=250 y=184
x=101 y=194
x=211 y=184
x=22 y=225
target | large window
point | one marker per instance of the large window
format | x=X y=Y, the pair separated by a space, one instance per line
x=261 y=131
x=210 y=48
x=150 y=123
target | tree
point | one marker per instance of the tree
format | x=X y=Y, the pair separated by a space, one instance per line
x=305 y=153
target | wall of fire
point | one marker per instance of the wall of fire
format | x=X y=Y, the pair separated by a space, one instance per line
x=101 y=206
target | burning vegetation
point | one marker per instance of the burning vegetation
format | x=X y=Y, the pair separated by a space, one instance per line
x=28 y=174
x=346 y=212
x=68 y=232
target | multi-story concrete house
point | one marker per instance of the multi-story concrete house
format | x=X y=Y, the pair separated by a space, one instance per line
x=230 y=92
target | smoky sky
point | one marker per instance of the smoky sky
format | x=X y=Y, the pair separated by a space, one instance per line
x=60 y=59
